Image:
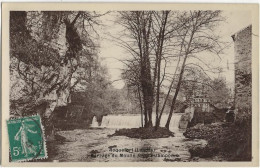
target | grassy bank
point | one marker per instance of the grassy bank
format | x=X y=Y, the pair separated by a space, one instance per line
x=144 y=133
x=231 y=141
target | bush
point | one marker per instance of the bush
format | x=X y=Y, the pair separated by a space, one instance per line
x=231 y=141
x=144 y=133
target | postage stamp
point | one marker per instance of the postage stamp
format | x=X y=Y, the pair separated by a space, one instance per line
x=26 y=139
x=130 y=84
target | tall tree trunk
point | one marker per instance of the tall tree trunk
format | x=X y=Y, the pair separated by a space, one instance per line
x=187 y=52
x=167 y=96
x=170 y=88
x=176 y=94
x=141 y=105
x=147 y=81
x=159 y=53
x=157 y=101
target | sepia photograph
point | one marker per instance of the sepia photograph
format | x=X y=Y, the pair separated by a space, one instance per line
x=119 y=85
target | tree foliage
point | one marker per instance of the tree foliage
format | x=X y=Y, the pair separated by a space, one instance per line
x=220 y=94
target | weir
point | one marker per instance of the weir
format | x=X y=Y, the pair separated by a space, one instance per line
x=133 y=121
x=94 y=122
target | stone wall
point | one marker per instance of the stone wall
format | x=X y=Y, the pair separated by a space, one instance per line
x=243 y=73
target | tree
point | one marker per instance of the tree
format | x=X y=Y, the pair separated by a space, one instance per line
x=219 y=93
x=131 y=75
x=196 y=36
x=148 y=32
x=155 y=39
x=138 y=25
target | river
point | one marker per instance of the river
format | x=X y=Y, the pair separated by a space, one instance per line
x=95 y=144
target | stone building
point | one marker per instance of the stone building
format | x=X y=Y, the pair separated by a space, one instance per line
x=200 y=98
x=202 y=102
x=243 y=72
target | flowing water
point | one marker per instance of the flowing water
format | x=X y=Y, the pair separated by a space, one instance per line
x=134 y=121
x=94 y=122
x=95 y=144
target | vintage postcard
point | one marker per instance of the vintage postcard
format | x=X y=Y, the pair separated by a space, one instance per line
x=117 y=84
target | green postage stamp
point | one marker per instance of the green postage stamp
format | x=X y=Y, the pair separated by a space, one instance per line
x=26 y=139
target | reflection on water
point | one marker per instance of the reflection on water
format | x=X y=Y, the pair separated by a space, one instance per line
x=95 y=145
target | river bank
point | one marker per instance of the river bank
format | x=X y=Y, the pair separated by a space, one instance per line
x=229 y=141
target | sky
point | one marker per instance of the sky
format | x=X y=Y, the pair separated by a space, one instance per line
x=111 y=53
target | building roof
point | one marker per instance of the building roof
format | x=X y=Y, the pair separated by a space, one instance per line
x=233 y=36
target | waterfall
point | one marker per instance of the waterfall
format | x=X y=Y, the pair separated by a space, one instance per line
x=121 y=121
x=134 y=121
x=94 y=122
x=174 y=124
